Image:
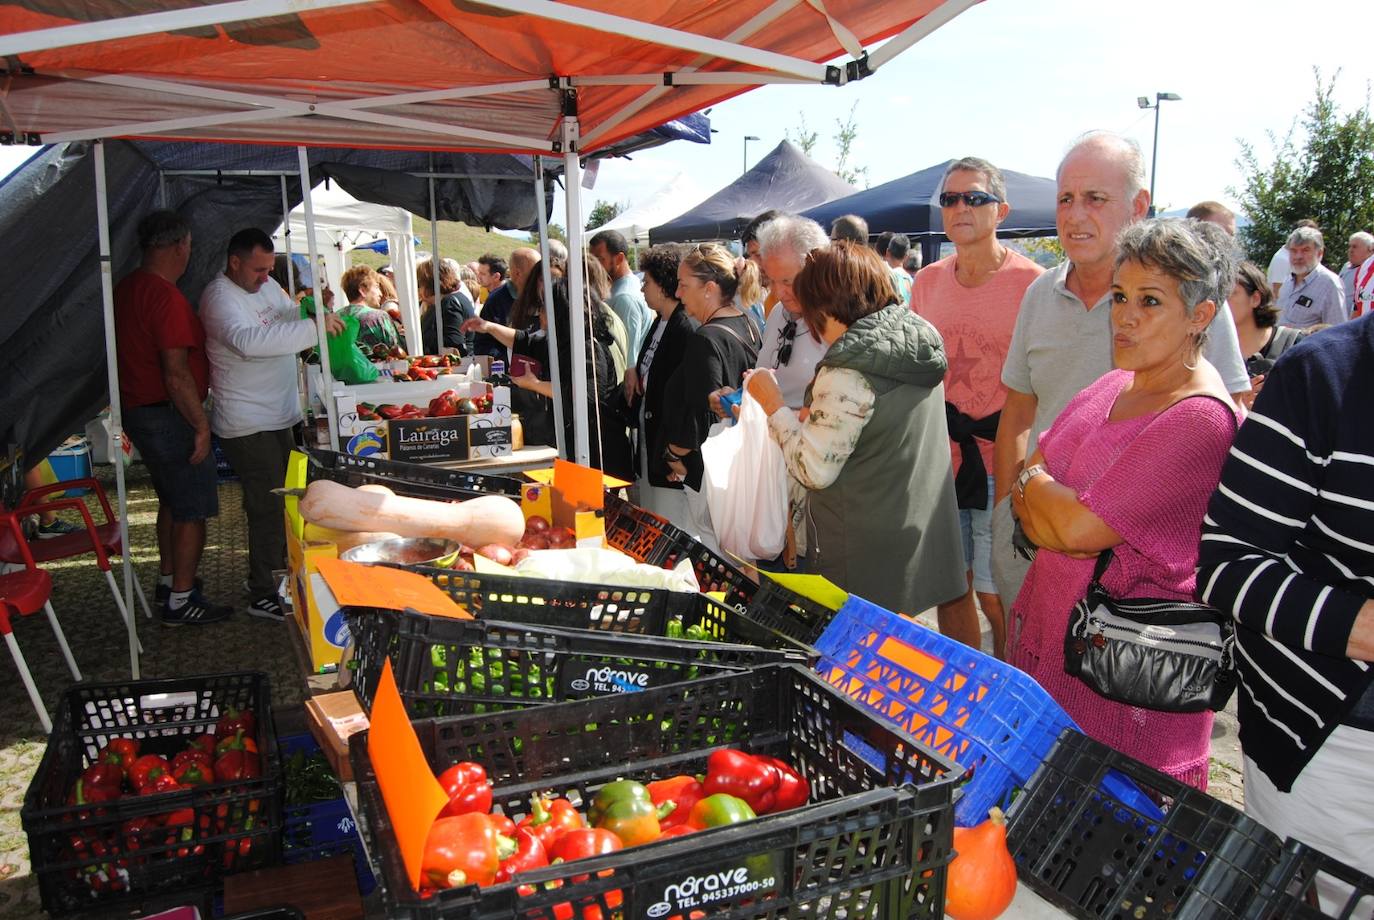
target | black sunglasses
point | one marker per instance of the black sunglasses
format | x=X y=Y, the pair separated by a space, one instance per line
x=972 y=199
x=785 y=338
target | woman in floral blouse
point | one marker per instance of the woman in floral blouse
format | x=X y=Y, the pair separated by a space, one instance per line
x=871 y=446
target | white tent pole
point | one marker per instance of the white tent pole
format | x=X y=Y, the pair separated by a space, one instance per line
x=660 y=35
x=103 y=30
x=326 y=374
x=102 y=210
x=572 y=178
x=402 y=250
x=555 y=371
x=434 y=267
x=918 y=30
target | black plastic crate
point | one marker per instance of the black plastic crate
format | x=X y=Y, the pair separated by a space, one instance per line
x=874 y=842
x=1290 y=891
x=788 y=612
x=730 y=624
x=445 y=666
x=85 y=856
x=414 y=479
x=1179 y=853
x=714 y=573
x=317 y=830
x=547 y=602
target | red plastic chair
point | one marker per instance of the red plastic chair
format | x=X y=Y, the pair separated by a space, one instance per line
x=22 y=594
x=101 y=539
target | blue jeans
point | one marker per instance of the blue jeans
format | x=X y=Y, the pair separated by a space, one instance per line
x=975 y=527
x=165 y=440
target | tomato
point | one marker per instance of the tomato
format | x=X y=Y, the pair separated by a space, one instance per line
x=536 y=524
x=561 y=538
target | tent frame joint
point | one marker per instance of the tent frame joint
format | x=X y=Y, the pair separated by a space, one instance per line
x=858 y=69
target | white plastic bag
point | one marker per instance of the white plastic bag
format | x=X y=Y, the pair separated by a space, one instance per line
x=745 y=484
x=588 y=565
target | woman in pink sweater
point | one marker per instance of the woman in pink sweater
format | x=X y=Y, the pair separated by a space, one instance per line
x=1130 y=465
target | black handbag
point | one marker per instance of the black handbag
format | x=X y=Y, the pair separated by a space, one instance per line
x=1167 y=655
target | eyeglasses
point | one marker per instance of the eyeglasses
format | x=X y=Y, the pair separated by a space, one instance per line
x=972 y=199
x=786 y=336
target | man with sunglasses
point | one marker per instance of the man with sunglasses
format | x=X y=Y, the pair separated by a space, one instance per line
x=1063 y=336
x=972 y=298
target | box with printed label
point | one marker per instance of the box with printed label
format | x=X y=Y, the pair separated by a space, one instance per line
x=454 y=437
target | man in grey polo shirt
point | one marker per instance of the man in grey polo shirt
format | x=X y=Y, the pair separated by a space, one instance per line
x=1063 y=336
x=1313 y=292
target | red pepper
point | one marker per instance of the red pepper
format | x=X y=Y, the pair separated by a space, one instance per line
x=103 y=774
x=682 y=791
x=550 y=819
x=388 y=411
x=137 y=832
x=236 y=742
x=163 y=782
x=467 y=788
x=121 y=752
x=237 y=764
x=744 y=776
x=677 y=830
x=194 y=773
x=82 y=793
x=793 y=789
x=504 y=826
x=235 y=721
x=443 y=405
x=146 y=769
x=463 y=850
x=196 y=754
x=529 y=854
x=584 y=843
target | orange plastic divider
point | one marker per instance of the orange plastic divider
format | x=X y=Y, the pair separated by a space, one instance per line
x=357 y=585
x=412 y=795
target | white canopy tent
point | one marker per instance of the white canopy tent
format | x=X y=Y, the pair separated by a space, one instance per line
x=343 y=222
x=674 y=197
x=565 y=79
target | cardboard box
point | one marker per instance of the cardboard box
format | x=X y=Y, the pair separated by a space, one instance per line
x=457 y=437
x=312 y=603
x=333 y=718
x=570 y=496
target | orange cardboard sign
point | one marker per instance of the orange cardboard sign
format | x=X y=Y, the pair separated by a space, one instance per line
x=412 y=795
x=358 y=585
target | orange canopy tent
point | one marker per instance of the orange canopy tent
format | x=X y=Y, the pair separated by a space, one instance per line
x=529 y=76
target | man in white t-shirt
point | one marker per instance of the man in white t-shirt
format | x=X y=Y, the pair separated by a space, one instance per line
x=252 y=334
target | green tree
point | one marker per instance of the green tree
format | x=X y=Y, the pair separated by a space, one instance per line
x=804 y=137
x=556 y=232
x=845 y=133
x=1322 y=169
x=603 y=212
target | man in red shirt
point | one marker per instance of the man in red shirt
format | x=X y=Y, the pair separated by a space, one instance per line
x=163 y=380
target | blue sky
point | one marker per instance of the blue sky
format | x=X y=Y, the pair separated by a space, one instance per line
x=1015 y=82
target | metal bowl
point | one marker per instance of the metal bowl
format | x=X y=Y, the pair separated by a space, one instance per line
x=405 y=551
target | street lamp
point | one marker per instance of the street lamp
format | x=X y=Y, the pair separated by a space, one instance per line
x=1144 y=103
x=747 y=139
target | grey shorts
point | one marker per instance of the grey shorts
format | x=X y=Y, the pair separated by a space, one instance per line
x=165 y=441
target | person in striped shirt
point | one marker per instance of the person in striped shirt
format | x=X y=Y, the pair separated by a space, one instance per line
x=1286 y=549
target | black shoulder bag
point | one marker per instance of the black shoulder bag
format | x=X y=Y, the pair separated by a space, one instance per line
x=1172 y=656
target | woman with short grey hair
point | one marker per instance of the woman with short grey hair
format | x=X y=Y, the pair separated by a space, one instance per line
x=1128 y=467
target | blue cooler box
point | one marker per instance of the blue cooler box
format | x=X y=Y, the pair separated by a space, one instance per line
x=71 y=461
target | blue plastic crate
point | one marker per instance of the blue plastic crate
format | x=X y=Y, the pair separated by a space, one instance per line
x=321 y=829
x=992 y=719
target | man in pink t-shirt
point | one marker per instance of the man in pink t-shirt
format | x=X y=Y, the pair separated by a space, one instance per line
x=972 y=298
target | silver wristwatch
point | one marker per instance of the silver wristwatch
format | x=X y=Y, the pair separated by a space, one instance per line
x=1027 y=475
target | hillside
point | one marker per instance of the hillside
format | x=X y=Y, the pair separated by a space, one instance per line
x=456 y=241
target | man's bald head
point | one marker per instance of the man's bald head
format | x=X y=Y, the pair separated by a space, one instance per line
x=522 y=261
x=1112 y=148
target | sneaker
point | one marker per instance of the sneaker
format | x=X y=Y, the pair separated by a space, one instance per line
x=58 y=528
x=163 y=593
x=196 y=611
x=267 y=608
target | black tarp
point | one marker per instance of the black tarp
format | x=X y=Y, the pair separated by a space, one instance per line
x=52 y=329
x=908 y=205
x=785 y=180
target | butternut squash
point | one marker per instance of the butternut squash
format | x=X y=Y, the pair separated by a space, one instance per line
x=476 y=522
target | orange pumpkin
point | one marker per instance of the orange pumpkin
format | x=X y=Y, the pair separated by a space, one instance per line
x=982 y=877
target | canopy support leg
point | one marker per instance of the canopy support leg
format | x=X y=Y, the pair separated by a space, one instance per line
x=326 y=374
x=545 y=270
x=572 y=171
